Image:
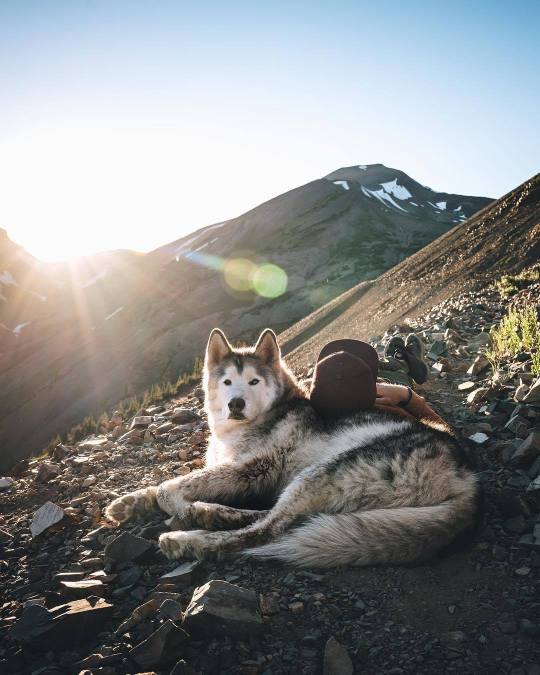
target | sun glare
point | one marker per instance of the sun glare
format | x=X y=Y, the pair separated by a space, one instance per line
x=83 y=188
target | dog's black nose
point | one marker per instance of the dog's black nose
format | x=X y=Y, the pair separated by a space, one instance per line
x=236 y=405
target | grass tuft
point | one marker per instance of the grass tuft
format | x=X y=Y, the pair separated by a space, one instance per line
x=510 y=284
x=518 y=331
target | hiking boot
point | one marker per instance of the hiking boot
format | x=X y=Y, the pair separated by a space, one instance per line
x=416 y=352
x=395 y=347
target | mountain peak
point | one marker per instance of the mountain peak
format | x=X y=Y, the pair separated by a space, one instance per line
x=396 y=190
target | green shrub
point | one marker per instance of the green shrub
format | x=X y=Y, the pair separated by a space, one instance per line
x=518 y=331
x=509 y=284
x=536 y=362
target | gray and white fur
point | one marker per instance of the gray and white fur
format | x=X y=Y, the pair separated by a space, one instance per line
x=370 y=488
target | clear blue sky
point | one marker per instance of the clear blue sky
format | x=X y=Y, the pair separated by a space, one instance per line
x=129 y=124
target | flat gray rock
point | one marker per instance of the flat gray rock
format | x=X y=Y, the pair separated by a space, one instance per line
x=62 y=626
x=184 y=416
x=35 y=621
x=480 y=340
x=534 y=393
x=527 y=451
x=170 y=609
x=6 y=483
x=438 y=348
x=478 y=365
x=68 y=576
x=141 y=421
x=139 y=614
x=182 y=574
x=83 y=587
x=46 y=472
x=126 y=547
x=221 y=608
x=165 y=645
x=479 y=437
x=47 y=515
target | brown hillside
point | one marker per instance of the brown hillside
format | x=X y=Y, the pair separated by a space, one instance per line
x=503 y=237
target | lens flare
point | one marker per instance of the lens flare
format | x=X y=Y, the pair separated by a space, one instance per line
x=213 y=262
x=270 y=281
x=239 y=273
x=243 y=275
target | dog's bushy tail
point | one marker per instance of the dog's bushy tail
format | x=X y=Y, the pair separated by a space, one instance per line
x=394 y=535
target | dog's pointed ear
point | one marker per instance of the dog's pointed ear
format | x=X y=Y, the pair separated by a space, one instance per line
x=217 y=349
x=267 y=347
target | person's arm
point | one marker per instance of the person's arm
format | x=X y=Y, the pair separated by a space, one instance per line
x=407 y=399
x=425 y=414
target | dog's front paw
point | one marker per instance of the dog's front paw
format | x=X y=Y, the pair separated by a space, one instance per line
x=134 y=503
x=121 y=509
x=191 y=545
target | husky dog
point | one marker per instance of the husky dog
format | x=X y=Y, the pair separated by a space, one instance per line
x=365 y=489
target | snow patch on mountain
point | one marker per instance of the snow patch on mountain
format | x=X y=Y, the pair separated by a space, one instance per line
x=342 y=183
x=214 y=227
x=383 y=197
x=441 y=205
x=363 y=167
x=199 y=248
x=184 y=248
x=398 y=191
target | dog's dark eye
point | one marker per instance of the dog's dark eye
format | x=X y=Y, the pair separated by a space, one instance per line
x=227 y=382
x=254 y=381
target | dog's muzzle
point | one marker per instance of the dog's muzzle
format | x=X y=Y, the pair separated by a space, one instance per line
x=236 y=408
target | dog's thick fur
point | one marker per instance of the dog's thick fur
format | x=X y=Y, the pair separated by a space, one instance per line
x=370 y=488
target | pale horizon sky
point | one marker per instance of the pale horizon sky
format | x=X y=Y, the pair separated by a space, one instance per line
x=130 y=124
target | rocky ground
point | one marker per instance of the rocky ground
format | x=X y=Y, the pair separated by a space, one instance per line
x=79 y=596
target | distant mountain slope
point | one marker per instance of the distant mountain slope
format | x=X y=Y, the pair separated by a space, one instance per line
x=502 y=238
x=117 y=322
x=24 y=290
x=348 y=226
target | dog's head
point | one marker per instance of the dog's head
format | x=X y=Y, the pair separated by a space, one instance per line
x=242 y=384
